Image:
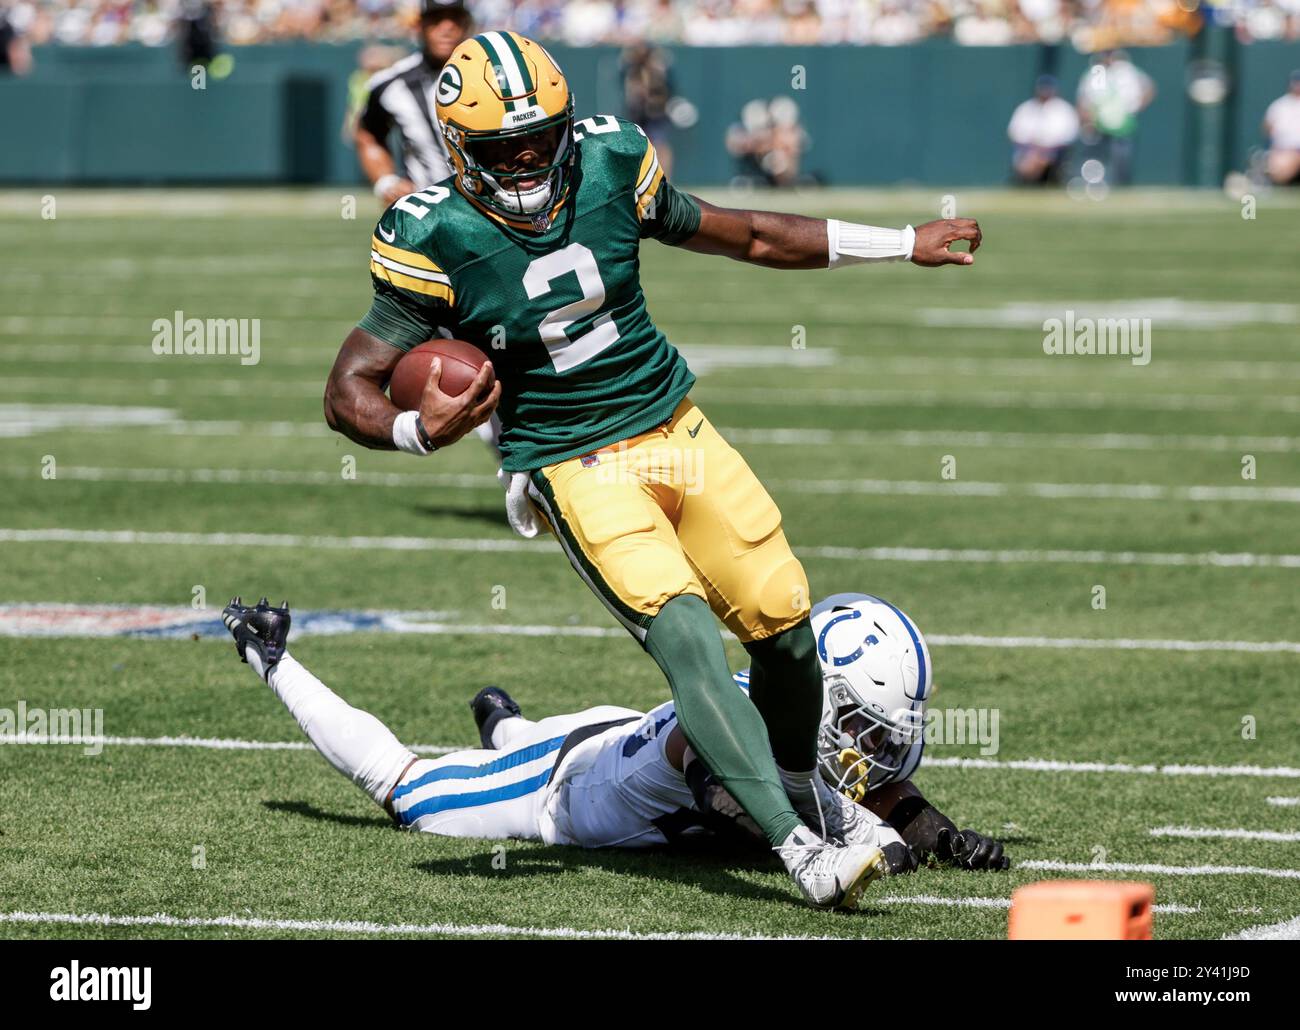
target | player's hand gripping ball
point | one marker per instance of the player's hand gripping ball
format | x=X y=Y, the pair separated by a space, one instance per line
x=460 y=364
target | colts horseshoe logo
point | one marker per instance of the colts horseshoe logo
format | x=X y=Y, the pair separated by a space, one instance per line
x=847 y=659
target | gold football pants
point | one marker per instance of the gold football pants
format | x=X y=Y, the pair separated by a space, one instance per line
x=673 y=511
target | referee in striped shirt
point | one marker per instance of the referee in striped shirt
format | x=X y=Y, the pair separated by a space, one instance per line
x=402 y=97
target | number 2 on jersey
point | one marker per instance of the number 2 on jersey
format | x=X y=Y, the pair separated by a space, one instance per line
x=566 y=352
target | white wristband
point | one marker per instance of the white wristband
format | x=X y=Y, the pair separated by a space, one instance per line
x=405 y=436
x=849 y=244
x=385 y=183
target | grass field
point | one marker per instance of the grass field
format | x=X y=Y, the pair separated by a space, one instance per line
x=1072 y=473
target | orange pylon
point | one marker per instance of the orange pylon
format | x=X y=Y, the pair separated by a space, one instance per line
x=1074 y=910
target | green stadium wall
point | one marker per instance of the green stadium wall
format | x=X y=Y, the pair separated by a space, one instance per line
x=930 y=114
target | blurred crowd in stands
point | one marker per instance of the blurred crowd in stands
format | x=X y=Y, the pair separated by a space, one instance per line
x=1089 y=24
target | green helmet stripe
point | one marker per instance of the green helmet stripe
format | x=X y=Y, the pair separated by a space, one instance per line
x=529 y=86
x=509 y=67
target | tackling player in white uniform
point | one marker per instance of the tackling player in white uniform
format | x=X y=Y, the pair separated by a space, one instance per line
x=615 y=777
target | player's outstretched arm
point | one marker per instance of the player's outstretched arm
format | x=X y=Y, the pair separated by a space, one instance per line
x=927 y=831
x=357 y=407
x=777 y=240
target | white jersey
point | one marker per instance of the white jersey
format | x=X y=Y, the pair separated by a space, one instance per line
x=613 y=788
x=617 y=790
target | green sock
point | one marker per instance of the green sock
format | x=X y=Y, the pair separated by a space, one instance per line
x=722 y=726
x=785 y=684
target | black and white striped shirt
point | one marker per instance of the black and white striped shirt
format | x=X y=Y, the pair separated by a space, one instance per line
x=403 y=96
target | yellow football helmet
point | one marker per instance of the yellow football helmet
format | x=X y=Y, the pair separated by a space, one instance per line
x=496 y=91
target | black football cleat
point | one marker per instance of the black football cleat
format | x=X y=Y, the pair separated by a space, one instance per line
x=490 y=706
x=261 y=627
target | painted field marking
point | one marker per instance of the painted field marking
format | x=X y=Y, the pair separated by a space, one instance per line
x=1155 y=869
x=207 y=743
x=1000 y=903
x=1116 y=643
x=1043 y=491
x=880 y=487
x=702 y=358
x=366 y=928
x=998 y=399
x=56 y=619
x=512 y=545
x=1200 y=833
x=1283 y=802
x=1172 y=312
x=1012 y=765
x=780 y=437
x=1288 y=930
x=267 y=384
x=1122 y=768
x=24 y=419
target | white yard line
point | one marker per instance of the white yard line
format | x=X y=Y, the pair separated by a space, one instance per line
x=788 y=437
x=1013 y=765
x=1154 y=869
x=260 y=477
x=424 y=543
x=266 y=383
x=1002 y=903
x=1287 y=930
x=55 y=619
x=879 y=487
x=293 y=540
x=366 y=928
x=30 y=418
x=209 y=743
x=1117 y=643
x=1012 y=400
x=1042 y=491
x=1121 y=768
x=1202 y=832
x=1013 y=556
x=1283 y=802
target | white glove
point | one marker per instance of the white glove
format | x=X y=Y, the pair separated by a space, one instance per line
x=519 y=509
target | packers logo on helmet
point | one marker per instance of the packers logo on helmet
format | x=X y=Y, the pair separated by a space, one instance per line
x=506 y=113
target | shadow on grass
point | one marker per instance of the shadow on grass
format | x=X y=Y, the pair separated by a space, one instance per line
x=707 y=864
x=492 y=516
x=320 y=815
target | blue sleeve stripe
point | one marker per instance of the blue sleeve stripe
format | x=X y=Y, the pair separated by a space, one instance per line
x=469 y=772
x=448 y=802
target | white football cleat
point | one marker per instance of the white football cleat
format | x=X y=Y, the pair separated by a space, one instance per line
x=842 y=820
x=831 y=875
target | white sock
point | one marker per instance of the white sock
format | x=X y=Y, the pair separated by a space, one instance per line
x=507 y=729
x=353 y=741
x=798 y=785
x=795 y=846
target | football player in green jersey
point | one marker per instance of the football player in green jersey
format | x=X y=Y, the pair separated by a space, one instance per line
x=530 y=250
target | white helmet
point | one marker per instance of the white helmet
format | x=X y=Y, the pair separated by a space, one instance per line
x=876 y=680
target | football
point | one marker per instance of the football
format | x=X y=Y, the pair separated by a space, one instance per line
x=460 y=364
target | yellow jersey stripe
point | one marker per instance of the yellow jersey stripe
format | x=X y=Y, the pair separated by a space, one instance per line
x=648 y=161
x=407 y=257
x=406 y=282
x=411 y=270
x=646 y=198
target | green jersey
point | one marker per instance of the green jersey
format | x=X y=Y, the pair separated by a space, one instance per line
x=560 y=312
